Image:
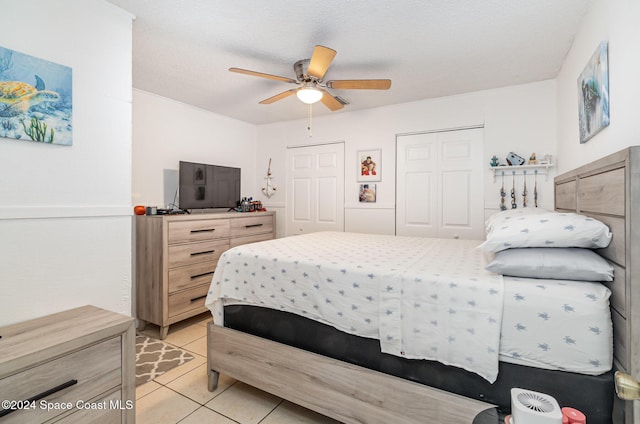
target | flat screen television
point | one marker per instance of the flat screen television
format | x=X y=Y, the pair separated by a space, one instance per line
x=204 y=186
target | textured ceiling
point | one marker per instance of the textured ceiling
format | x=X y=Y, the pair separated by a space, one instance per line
x=428 y=48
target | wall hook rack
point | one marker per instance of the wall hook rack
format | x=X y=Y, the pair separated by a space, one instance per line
x=521 y=170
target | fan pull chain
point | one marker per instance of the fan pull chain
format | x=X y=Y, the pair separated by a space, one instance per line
x=503 y=194
x=310 y=120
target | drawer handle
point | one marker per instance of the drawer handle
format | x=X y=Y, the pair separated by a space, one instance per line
x=41 y=396
x=253 y=225
x=193 y=277
x=198 y=298
x=205 y=230
x=203 y=253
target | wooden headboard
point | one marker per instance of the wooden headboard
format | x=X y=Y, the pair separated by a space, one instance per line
x=608 y=189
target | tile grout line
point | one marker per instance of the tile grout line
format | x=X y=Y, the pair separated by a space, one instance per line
x=272 y=410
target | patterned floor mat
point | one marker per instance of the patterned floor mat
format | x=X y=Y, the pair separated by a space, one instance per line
x=155 y=357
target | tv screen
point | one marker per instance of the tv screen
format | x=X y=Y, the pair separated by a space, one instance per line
x=204 y=186
x=226 y=186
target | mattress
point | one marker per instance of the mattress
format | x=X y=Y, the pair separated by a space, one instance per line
x=421 y=298
x=557 y=325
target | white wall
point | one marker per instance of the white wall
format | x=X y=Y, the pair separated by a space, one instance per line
x=519 y=118
x=65 y=211
x=615 y=22
x=166 y=131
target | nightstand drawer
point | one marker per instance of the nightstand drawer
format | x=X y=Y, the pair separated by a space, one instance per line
x=82 y=375
x=252 y=225
x=187 y=231
x=193 y=275
x=195 y=253
x=187 y=300
x=108 y=410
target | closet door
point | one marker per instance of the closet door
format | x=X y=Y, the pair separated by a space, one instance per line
x=439 y=190
x=315 y=189
x=416 y=189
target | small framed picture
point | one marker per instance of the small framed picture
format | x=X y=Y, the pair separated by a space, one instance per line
x=367 y=193
x=369 y=165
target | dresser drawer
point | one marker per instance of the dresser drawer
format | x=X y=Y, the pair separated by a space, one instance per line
x=190 y=276
x=187 y=300
x=250 y=239
x=199 y=230
x=86 y=373
x=107 y=410
x=251 y=225
x=195 y=253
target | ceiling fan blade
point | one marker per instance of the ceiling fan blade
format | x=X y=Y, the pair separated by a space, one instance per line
x=320 y=61
x=262 y=75
x=331 y=102
x=368 y=84
x=277 y=97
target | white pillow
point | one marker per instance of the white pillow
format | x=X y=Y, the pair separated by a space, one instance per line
x=501 y=217
x=569 y=263
x=550 y=229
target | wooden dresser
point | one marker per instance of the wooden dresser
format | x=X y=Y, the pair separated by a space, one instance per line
x=76 y=366
x=176 y=256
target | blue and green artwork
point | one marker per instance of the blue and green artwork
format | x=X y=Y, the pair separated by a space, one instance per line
x=35 y=99
x=593 y=94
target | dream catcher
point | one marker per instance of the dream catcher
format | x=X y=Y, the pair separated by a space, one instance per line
x=503 y=194
x=513 y=192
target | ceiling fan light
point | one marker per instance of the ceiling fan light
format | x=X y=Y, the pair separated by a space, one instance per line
x=309 y=95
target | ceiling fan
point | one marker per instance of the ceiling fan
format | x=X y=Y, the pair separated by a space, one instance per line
x=311 y=88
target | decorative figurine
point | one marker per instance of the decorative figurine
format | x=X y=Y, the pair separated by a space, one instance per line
x=494 y=161
x=515 y=160
x=532 y=159
x=269 y=189
x=546 y=160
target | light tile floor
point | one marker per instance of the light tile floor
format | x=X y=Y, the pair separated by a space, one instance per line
x=181 y=395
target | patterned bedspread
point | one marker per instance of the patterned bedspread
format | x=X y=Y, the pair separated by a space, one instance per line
x=422 y=298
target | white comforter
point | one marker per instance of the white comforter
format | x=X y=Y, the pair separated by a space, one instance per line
x=422 y=298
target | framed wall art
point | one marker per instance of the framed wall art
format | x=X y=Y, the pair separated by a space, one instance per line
x=35 y=99
x=367 y=193
x=369 y=165
x=593 y=94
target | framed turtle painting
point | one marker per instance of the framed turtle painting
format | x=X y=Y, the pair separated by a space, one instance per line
x=35 y=99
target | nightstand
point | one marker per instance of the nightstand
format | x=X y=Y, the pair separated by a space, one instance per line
x=75 y=366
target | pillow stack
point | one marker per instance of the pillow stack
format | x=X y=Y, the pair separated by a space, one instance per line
x=537 y=243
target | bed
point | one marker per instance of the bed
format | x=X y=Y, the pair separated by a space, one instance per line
x=315 y=362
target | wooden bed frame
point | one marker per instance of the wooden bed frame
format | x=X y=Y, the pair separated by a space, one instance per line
x=607 y=189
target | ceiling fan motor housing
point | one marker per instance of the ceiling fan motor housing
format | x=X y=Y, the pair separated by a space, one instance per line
x=300 y=68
